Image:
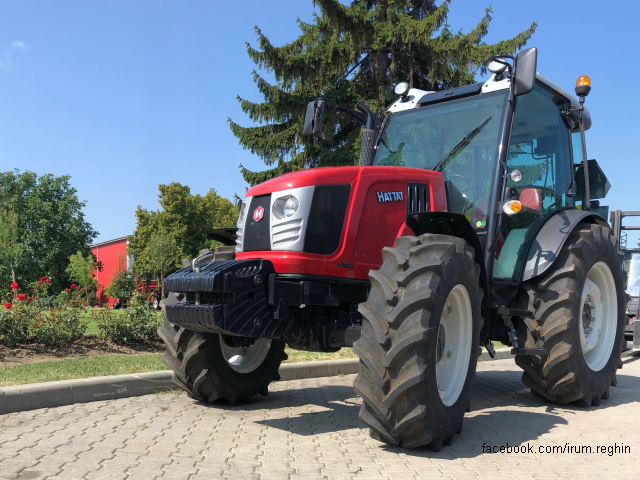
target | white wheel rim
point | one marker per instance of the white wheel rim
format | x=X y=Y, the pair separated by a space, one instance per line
x=245 y=359
x=452 y=355
x=598 y=316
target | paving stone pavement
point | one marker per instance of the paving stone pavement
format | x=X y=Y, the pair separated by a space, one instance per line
x=309 y=429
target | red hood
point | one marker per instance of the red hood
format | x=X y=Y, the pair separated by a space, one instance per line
x=334 y=176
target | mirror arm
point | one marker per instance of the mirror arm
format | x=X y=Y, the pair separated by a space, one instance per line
x=370 y=119
x=367 y=118
x=352 y=113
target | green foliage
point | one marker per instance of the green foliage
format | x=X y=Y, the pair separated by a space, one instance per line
x=354 y=52
x=14 y=323
x=161 y=253
x=180 y=226
x=82 y=269
x=50 y=227
x=122 y=286
x=137 y=323
x=58 y=326
x=10 y=245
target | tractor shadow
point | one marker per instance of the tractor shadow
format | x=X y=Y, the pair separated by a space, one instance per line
x=504 y=412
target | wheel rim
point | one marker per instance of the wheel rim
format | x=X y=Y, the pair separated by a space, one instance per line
x=245 y=359
x=454 y=345
x=598 y=317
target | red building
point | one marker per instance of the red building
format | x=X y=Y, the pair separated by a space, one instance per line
x=113 y=256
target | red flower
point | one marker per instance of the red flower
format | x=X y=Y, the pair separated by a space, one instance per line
x=21 y=297
x=67 y=290
x=48 y=281
x=39 y=283
x=14 y=286
x=7 y=305
x=43 y=279
x=73 y=285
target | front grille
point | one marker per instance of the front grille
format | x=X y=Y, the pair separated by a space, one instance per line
x=286 y=231
x=256 y=234
x=417 y=198
x=326 y=218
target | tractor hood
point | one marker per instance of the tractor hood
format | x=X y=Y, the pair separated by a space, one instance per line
x=310 y=177
x=320 y=211
x=335 y=176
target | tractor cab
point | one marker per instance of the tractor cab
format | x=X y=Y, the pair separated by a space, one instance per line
x=460 y=133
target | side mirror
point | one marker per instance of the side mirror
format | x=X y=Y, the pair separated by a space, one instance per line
x=313 y=117
x=525 y=71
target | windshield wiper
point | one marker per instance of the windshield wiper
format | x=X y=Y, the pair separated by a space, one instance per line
x=460 y=145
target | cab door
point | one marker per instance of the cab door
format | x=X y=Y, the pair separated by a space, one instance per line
x=540 y=148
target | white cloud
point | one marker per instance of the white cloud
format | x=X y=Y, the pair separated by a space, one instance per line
x=20 y=46
x=7 y=61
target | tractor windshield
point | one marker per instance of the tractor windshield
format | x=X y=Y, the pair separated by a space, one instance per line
x=457 y=137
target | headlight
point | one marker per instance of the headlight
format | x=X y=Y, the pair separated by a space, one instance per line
x=516 y=175
x=291 y=206
x=285 y=206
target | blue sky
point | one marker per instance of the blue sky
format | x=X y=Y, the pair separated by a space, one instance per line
x=125 y=95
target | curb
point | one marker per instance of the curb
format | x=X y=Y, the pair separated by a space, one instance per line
x=323 y=368
x=20 y=398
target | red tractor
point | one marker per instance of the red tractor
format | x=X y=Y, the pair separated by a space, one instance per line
x=470 y=219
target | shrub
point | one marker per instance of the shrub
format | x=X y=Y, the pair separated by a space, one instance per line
x=58 y=326
x=138 y=323
x=14 y=323
x=122 y=286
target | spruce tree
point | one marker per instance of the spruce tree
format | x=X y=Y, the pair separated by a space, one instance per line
x=359 y=51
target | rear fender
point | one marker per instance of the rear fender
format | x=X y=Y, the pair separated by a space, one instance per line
x=551 y=237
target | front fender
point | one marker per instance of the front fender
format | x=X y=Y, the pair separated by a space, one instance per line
x=551 y=237
x=454 y=225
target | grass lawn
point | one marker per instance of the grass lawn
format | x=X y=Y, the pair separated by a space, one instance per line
x=71 y=368
x=92 y=326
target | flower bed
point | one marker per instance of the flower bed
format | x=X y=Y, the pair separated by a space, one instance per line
x=38 y=317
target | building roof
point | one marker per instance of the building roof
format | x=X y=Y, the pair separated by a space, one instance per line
x=108 y=242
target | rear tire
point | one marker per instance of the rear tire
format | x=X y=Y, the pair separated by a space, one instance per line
x=423 y=283
x=580 y=315
x=204 y=366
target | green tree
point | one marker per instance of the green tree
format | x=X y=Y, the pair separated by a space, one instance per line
x=354 y=52
x=50 y=227
x=161 y=255
x=82 y=270
x=184 y=219
x=10 y=245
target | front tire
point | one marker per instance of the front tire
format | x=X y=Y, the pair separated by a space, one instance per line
x=580 y=316
x=419 y=343
x=210 y=367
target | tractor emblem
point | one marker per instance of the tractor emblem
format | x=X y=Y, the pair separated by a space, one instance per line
x=258 y=213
